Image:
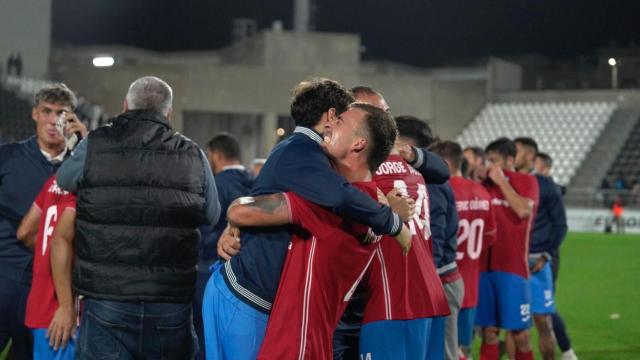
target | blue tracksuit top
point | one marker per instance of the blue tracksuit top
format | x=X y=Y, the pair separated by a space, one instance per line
x=23 y=172
x=550 y=226
x=232 y=182
x=444 y=226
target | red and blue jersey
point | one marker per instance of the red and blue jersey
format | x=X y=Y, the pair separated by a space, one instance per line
x=476 y=232
x=510 y=251
x=42 y=302
x=325 y=262
x=404 y=287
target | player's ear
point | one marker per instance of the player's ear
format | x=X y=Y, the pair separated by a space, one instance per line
x=359 y=144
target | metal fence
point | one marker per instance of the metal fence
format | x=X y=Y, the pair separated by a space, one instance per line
x=599 y=198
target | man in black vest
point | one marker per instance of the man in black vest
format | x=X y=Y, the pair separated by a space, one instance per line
x=142 y=190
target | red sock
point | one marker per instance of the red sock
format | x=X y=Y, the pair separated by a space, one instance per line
x=524 y=355
x=462 y=357
x=489 y=352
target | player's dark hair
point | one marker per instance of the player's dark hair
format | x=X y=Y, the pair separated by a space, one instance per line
x=527 y=142
x=226 y=144
x=502 y=146
x=314 y=97
x=58 y=94
x=548 y=161
x=476 y=150
x=413 y=128
x=450 y=151
x=380 y=131
x=464 y=167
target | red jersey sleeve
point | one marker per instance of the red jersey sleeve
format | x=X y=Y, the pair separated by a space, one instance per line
x=39 y=201
x=529 y=189
x=68 y=201
x=302 y=212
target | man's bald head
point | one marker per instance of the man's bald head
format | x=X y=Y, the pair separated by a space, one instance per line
x=367 y=95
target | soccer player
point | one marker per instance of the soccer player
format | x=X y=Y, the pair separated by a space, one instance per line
x=50 y=311
x=246 y=284
x=504 y=300
x=550 y=228
x=232 y=182
x=543 y=165
x=431 y=167
x=475 y=158
x=326 y=260
x=404 y=293
x=476 y=232
x=444 y=227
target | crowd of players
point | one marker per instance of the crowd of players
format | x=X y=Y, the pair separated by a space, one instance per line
x=364 y=236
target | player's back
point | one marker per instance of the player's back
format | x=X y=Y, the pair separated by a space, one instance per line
x=42 y=302
x=404 y=287
x=323 y=267
x=476 y=231
x=511 y=248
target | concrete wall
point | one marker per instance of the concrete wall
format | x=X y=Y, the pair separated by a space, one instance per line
x=455 y=103
x=25 y=27
x=503 y=76
x=213 y=90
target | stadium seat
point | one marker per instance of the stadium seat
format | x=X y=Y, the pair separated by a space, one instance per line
x=566 y=130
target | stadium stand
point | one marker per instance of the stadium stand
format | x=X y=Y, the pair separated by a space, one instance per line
x=627 y=163
x=565 y=130
x=15 y=123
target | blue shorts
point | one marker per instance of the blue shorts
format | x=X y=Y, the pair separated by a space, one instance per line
x=503 y=301
x=466 y=318
x=232 y=329
x=400 y=339
x=542 y=291
x=42 y=350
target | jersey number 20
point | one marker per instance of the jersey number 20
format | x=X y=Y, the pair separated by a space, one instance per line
x=471 y=232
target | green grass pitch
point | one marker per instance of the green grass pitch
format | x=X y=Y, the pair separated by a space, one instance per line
x=599 y=279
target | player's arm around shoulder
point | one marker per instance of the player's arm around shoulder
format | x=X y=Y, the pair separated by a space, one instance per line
x=63 y=324
x=251 y=211
x=262 y=210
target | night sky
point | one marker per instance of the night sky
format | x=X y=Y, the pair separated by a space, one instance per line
x=418 y=32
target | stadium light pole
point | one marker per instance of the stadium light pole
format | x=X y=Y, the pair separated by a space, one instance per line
x=614 y=73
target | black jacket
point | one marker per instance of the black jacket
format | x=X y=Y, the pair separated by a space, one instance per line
x=139 y=205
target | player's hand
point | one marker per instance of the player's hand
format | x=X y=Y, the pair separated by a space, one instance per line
x=62 y=327
x=539 y=264
x=496 y=174
x=406 y=152
x=74 y=125
x=404 y=239
x=401 y=205
x=382 y=198
x=229 y=243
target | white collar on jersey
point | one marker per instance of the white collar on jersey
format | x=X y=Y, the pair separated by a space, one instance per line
x=309 y=132
x=233 y=167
